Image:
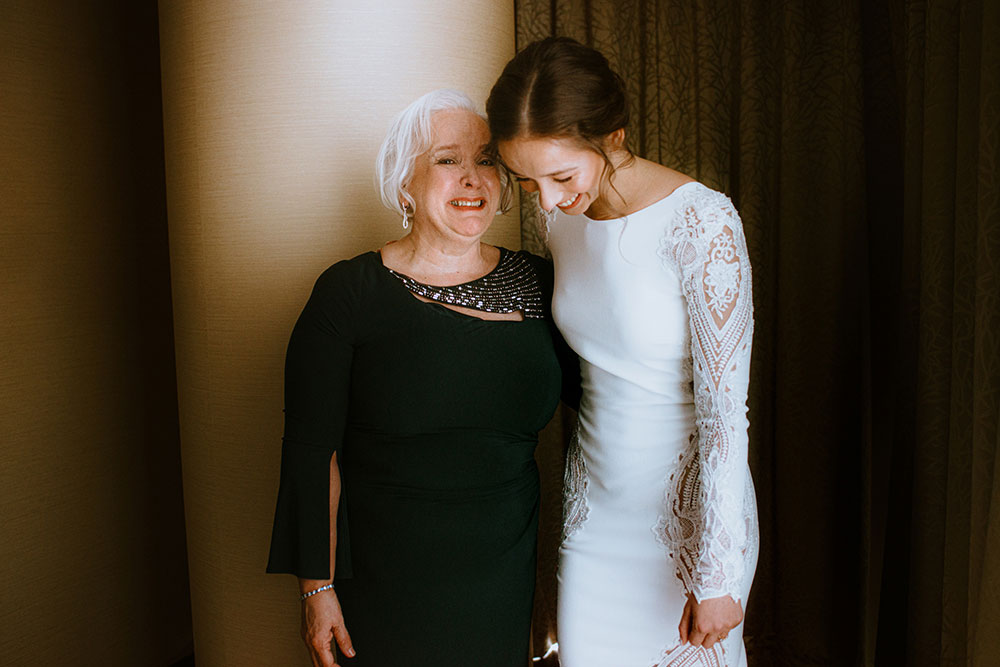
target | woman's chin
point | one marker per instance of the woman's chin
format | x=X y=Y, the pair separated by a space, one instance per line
x=472 y=228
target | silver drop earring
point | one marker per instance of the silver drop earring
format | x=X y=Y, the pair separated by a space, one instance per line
x=406 y=219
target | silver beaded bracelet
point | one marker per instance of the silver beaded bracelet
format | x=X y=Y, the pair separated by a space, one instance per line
x=312 y=593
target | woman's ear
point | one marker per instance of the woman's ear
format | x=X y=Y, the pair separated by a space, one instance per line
x=615 y=141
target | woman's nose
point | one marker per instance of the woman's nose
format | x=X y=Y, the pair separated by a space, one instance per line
x=471 y=177
x=548 y=197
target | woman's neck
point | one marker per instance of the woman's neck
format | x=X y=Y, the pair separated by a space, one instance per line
x=430 y=261
x=618 y=191
x=636 y=184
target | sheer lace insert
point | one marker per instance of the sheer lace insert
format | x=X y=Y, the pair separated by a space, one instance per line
x=709 y=524
x=575 y=483
x=685 y=655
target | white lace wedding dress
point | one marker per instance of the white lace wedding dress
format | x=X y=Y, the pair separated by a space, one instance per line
x=658 y=497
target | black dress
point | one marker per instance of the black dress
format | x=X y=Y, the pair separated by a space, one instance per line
x=435 y=416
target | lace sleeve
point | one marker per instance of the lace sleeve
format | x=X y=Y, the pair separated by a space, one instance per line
x=712 y=497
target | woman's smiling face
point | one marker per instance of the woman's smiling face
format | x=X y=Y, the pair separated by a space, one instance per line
x=565 y=173
x=455 y=184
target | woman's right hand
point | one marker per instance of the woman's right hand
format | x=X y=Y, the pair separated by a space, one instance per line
x=322 y=622
x=709 y=621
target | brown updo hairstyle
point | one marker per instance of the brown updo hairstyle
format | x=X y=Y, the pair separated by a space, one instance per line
x=557 y=87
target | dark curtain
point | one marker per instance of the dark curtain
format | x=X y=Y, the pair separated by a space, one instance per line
x=859 y=141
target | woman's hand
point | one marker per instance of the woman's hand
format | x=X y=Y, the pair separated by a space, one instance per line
x=709 y=621
x=322 y=622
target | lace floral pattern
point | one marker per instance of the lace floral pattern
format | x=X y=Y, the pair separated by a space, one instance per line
x=709 y=524
x=681 y=524
x=575 y=483
x=685 y=655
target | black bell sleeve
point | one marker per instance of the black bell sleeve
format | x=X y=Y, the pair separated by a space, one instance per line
x=317 y=381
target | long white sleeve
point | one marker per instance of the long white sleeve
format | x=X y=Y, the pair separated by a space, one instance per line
x=711 y=523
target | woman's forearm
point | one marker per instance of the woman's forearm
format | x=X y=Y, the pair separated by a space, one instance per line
x=307 y=585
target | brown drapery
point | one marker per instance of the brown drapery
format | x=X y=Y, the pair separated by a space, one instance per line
x=860 y=144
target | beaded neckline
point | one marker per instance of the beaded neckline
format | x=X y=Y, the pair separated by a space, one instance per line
x=511 y=287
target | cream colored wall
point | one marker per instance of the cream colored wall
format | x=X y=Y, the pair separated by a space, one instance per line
x=92 y=559
x=273 y=114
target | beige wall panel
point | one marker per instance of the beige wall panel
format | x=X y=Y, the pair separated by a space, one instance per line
x=92 y=558
x=273 y=116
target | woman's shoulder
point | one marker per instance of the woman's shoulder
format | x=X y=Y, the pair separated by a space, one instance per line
x=699 y=196
x=531 y=258
x=539 y=270
x=347 y=283
x=540 y=266
x=342 y=294
x=657 y=183
x=696 y=207
x=347 y=272
x=663 y=184
x=700 y=219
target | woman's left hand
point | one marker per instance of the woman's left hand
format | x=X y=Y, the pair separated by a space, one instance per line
x=322 y=624
x=709 y=621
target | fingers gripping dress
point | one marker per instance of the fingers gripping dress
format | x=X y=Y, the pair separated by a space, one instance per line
x=658 y=498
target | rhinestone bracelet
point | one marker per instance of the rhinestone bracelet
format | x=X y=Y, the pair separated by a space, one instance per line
x=312 y=593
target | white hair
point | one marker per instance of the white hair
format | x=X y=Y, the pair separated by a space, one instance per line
x=409 y=136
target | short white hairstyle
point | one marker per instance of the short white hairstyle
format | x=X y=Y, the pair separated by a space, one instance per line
x=409 y=136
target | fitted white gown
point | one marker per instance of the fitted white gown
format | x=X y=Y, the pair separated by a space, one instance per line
x=658 y=497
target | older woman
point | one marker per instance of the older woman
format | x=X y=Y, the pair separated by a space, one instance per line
x=416 y=381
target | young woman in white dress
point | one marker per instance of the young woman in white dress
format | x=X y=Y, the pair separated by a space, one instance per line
x=653 y=291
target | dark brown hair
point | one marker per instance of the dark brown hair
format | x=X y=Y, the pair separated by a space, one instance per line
x=557 y=87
